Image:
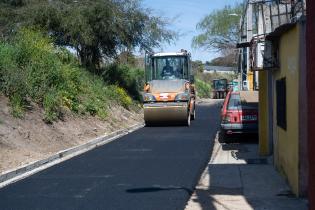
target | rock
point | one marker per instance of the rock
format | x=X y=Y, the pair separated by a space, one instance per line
x=27 y=135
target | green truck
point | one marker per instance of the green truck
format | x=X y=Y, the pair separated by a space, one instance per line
x=219 y=88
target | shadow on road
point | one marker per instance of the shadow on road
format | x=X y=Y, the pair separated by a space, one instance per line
x=155 y=189
x=238 y=138
x=238 y=178
x=241 y=148
x=166 y=124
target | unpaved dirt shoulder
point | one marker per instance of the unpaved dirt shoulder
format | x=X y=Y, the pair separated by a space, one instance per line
x=29 y=139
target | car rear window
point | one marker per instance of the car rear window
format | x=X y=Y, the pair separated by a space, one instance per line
x=249 y=99
x=234 y=102
x=252 y=105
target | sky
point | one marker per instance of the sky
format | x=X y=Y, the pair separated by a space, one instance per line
x=184 y=16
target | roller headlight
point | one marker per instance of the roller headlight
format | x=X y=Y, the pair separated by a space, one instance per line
x=147 y=97
x=182 y=97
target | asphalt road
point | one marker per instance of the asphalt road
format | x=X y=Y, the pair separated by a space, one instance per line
x=152 y=168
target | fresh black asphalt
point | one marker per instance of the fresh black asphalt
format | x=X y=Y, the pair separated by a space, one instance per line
x=151 y=168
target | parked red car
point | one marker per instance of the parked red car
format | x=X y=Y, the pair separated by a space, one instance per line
x=239 y=113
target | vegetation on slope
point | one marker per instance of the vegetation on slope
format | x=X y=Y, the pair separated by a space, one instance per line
x=33 y=70
x=36 y=67
x=203 y=89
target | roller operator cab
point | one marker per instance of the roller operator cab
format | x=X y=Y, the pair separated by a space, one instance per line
x=169 y=94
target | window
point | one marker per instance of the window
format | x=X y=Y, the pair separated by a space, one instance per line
x=148 y=67
x=220 y=84
x=281 y=103
x=234 y=102
x=170 y=67
x=271 y=55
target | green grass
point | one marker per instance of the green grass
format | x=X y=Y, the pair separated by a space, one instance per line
x=33 y=69
x=203 y=89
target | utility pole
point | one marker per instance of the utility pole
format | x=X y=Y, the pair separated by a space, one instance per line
x=249 y=35
x=241 y=51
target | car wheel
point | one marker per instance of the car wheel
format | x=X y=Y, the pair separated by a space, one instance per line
x=147 y=124
x=223 y=137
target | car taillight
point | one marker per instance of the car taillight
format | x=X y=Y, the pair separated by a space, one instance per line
x=231 y=117
x=226 y=118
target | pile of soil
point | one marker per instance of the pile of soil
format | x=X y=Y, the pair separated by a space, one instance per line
x=29 y=139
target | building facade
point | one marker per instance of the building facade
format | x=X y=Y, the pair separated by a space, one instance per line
x=277 y=54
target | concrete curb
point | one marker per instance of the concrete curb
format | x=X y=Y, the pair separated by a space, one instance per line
x=9 y=177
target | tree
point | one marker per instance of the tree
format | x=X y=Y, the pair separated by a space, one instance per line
x=219 y=30
x=8 y=15
x=228 y=60
x=197 y=67
x=96 y=29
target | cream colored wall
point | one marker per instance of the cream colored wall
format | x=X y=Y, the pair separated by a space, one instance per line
x=286 y=141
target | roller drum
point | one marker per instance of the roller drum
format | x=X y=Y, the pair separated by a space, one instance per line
x=166 y=112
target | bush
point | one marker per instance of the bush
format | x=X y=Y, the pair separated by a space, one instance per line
x=17 y=104
x=32 y=69
x=203 y=89
x=131 y=79
x=51 y=103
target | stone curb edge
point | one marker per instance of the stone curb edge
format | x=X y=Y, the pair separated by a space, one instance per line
x=9 y=177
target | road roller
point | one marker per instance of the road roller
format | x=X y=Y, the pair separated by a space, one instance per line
x=169 y=92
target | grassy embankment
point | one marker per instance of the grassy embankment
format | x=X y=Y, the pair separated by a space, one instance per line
x=203 y=89
x=33 y=70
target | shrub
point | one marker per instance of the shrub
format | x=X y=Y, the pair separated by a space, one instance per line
x=17 y=105
x=122 y=96
x=31 y=68
x=203 y=89
x=131 y=79
x=52 y=104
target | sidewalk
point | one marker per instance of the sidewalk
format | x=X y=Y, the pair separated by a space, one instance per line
x=236 y=178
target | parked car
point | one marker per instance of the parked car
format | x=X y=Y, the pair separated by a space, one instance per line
x=239 y=113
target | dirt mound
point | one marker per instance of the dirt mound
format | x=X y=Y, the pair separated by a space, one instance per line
x=29 y=139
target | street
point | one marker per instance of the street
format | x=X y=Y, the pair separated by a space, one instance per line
x=151 y=168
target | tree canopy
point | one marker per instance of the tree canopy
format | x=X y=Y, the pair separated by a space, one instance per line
x=219 y=30
x=197 y=67
x=96 y=29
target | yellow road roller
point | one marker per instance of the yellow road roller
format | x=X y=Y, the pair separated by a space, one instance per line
x=169 y=93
